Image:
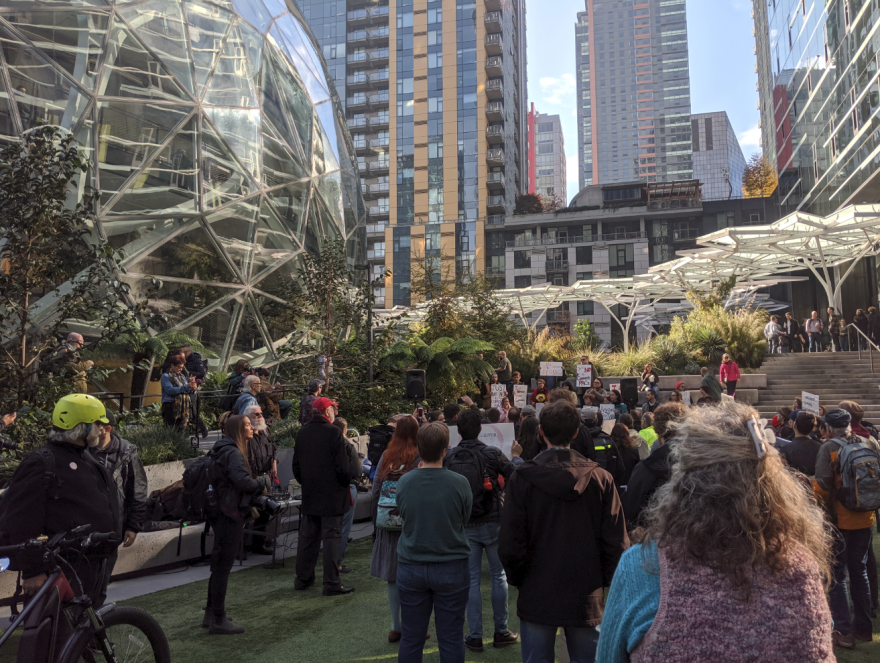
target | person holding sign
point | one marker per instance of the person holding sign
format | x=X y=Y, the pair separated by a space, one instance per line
x=650 y=380
x=540 y=394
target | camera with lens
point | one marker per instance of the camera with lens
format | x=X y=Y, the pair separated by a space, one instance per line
x=264 y=504
x=7 y=445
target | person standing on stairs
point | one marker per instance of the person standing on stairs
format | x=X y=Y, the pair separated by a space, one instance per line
x=834 y=329
x=729 y=374
x=814 y=328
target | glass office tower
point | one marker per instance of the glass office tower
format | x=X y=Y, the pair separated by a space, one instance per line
x=435 y=100
x=219 y=146
x=633 y=90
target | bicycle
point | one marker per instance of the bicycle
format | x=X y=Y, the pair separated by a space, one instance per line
x=61 y=627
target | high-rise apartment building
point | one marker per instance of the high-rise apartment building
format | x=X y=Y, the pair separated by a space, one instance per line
x=547 y=174
x=435 y=96
x=633 y=90
x=817 y=79
x=718 y=160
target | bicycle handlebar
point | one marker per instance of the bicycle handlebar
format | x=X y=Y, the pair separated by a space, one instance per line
x=75 y=538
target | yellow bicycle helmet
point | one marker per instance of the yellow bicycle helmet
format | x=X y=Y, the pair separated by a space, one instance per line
x=76 y=409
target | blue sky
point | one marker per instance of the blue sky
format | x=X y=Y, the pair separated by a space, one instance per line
x=722 y=66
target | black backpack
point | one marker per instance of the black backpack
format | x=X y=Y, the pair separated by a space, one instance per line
x=606 y=451
x=474 y=466
x=380 y=436
x=196 y=482
x=232 y=394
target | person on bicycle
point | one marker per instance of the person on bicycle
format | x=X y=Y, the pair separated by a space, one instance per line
x=120 y=458
x=60 y=487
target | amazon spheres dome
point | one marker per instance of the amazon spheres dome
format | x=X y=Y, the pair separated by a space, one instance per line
x=218 y=144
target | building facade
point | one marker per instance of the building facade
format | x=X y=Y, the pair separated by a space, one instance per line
x=718 y=160
x=817 y=79
x=547 y=167
x=435 y=98
x=633 y=92
x=219 y=147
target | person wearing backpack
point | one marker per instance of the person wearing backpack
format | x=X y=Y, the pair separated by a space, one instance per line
x=305 y=405
x=60 y=487
x=400 y=456
x=847 y=481
x=486 y=470
x=234 y=484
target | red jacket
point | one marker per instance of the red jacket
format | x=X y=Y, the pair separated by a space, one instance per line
x=730 y=371
x=545 y=392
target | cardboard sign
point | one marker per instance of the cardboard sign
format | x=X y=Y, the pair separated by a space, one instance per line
x=538 y=408
x=608 y=426
x=608 y=412
x=615 y=386
x=499 y=393
x=727 y=399
x=551 y=368
x=520 y=395
x=500 y=436
x=584 y=375
x=686 y=398
x=810 y=402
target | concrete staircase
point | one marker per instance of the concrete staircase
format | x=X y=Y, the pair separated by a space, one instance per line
x=833 y=376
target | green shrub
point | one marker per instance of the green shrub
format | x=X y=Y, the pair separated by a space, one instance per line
x=670 y=354
x=630 y=362
x=157 y=443
x=284 y=432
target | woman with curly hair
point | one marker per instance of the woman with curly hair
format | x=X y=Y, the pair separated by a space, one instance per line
x=734 y=560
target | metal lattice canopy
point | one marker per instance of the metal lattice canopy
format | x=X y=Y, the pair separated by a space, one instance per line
x=797 y=241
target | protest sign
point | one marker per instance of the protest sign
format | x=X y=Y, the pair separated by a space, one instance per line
x=549 y=368
x=538 y=408
x=608 y=411
x=686 y=398
x=615 y=386
x=520 y=395
x=584 y=375
x=810 y=402
x=499 y=393
x=608 y=426
x=500 y=436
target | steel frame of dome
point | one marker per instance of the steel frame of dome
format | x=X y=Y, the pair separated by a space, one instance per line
x=218 y=141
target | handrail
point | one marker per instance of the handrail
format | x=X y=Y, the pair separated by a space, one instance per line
x=871 y=345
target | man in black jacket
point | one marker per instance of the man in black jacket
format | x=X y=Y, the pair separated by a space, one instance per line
x=801 y=453
x=324 y=464
x=79 y=492
x=483 y=467
x=792 y=329
x=603 y=451
x=561 y=507
x=120 y=458
x=648 y=475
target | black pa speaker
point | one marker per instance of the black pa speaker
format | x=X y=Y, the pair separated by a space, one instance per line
x=629 y=391
x=415 y=384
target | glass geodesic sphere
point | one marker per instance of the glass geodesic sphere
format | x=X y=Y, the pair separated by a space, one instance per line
x=219 y=145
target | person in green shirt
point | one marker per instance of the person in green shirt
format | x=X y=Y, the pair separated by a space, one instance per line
x=433 y=550
x=647 y=432
x=711 y=383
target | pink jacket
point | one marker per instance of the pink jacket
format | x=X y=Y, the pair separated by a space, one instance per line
x=730 y=371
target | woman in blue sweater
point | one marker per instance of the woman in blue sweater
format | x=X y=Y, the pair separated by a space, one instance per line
x=176 y=390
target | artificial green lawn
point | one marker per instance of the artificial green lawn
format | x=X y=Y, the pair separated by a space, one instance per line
x=284 y=625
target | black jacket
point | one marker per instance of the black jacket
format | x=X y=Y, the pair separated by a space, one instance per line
x=562 y=535
x=874 y=326
x=630 y=457
x=801 y=454
x=122 y=461
x=262 y=452
x=602 y=443
x=792 y=324
x=583 y=443
x=324 y=464
x=231 y=480
x=83 y=493
x=647 y=477
x=496 y=464
x=195 y=366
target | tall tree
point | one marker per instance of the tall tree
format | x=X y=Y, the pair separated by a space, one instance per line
x=528 y=203
x=759 y=178
x=55 y=269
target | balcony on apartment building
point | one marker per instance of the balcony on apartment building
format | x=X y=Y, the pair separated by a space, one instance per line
x=495 y=111
x=378 y=212
x=379 y=120
x=493 y=5
x=567 y=240
x=357 y=123
x=493 y=22
x=495 y=134
x=376 y=254
x=368 y=37
x=367 y=79
x=495 y=88
x=376 y=166
x=367 y=16
x=376 y=229
x=495 y=203
x=495 y=181
x=556 y=265
x=375 y=189
x=495 y=220
x=495 y=156
x=494 y=44
x=494 y=66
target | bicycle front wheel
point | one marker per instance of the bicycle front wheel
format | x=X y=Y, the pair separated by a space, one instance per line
x=134 y=635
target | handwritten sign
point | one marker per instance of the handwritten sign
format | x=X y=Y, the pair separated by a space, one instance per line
x=686 y=398
x=538 y=408
x=551 y=368
x=810 y=402
x=499 y=393
x=584 y=375
x=500 y=436
x=608 y=411
x=608 y=426
x=727 y=399
x=520 y=395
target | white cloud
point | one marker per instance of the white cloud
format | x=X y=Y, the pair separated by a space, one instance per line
x=750 y=140
x=557 y=88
